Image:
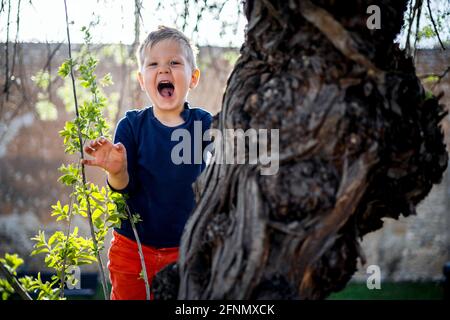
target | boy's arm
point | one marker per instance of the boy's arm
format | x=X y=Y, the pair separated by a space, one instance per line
x=125 y=180
x=118 y=159
x=118 y=181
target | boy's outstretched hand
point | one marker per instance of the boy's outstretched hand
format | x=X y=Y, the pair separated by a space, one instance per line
x=109 y=156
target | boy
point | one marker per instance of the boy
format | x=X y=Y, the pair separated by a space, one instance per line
x=140 y=162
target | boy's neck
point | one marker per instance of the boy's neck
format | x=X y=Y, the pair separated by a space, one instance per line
x=170 y=118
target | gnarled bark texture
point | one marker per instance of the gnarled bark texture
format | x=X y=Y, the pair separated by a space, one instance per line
x=359 y=141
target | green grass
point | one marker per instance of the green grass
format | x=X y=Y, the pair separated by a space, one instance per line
x=391 y=291
x=359 y=291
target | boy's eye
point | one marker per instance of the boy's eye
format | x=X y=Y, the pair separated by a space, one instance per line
x=152 y=64
x=174 y=63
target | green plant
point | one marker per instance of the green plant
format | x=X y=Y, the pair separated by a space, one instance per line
x=102 y=208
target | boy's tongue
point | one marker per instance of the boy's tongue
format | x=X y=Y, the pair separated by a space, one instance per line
x=166 y=92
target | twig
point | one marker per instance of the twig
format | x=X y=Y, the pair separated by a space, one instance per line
x=185 y=15
x=412 y=14
x=94 y=239
x=14 y=283
x=419 y=14
x=135 y=45
x=63 y=272
x=6 y=88
x=137 y=29
x=141 y=254
x=51 y=55
x=439 y=76
x=434 y=25
x=16 y=40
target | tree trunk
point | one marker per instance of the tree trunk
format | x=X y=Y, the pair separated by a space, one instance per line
x=359 y=140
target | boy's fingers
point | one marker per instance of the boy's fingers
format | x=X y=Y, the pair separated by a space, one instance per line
x=119 y=146
x=87 y=162
x=98 y=142
x=89 y=150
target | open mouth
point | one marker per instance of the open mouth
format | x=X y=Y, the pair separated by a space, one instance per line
x=166 y=88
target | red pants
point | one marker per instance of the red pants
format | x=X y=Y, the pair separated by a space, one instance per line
x=125 y=266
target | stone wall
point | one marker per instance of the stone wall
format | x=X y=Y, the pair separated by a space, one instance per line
x=415 y=248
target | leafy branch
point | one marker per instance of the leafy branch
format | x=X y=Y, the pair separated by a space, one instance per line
x=103 y=208
x=8 y=266
x=88 y=80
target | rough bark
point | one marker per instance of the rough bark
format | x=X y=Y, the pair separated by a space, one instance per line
x=359 y=141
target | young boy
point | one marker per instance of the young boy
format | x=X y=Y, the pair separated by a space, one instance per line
x=140 y=162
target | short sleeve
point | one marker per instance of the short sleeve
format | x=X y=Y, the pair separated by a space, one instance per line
x=124 y=135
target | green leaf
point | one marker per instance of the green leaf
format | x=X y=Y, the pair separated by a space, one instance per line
x=64 y=69
x=428 y=95
x=431 y=79
x=106 y=80
x=38 y=251
x=135 y=218
x=71 y=174
x=11 y=262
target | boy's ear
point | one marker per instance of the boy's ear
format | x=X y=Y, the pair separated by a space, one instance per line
x=141 y=80
x=195 y=78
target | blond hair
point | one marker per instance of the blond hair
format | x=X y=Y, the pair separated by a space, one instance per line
x=167 y=33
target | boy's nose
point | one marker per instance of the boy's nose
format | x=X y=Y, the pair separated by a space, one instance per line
x=164 y=69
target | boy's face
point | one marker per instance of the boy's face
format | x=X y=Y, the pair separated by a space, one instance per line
x=166 y=75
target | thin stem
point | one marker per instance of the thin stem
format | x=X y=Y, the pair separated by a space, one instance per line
x=6 y=88
x=94 y=239
x=434 y=25
x=185 y=14
x=63 y=272
x=141 y=253
x=419 y=13
x=440 y=77
x=14 y=283
x=412 y=13
x=17 y=38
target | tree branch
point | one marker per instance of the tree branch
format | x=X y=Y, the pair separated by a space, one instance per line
x=412 y=15
x=16 y=40
x=94 y=239
x=419 y=13
x=439 y=76
x=141 y=253
x=335 y=33
x=67 y=235
x=6 y=87
x=434 y=25
x=14 y=283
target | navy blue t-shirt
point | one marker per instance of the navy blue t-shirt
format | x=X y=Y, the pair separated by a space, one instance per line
x=159 y=190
